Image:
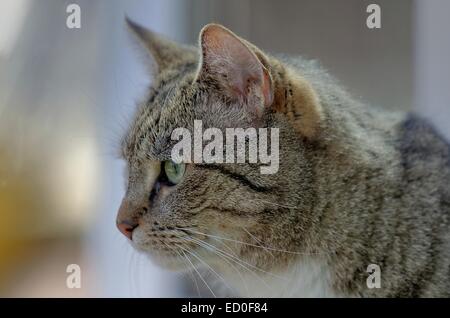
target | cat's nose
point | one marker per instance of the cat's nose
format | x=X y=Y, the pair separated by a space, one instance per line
x=126 y=228
x=128 y=218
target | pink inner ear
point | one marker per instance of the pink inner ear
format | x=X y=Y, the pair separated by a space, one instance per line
x=227 y=56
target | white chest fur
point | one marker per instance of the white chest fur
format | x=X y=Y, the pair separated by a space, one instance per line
x=305 y=278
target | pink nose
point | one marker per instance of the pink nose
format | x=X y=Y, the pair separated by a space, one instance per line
x=126 y=228
x=128 y=218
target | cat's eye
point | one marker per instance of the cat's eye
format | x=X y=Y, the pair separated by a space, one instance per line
x=174 y=171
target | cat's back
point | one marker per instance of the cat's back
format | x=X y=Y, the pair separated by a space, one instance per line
x=425 y=154
x=418 y=158
x=425 y=169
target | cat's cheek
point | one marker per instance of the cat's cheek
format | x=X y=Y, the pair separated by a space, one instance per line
x=164 y=192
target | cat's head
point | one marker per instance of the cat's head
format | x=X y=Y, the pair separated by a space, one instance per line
x=222 y=213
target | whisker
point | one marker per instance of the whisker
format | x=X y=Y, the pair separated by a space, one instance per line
x=257 y=240
x=204 y=262
x=195 y=282
x=206 y=284
x=249 y=244
x=240 y=261
x=191 y=275
x=226 y=259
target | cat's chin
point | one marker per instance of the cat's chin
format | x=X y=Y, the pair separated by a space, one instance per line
x=168 y=262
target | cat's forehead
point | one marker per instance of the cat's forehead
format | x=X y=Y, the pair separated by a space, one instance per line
x=169 y=106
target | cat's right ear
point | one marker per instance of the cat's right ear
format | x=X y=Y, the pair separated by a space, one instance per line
x=162 y=52
x=229 y=61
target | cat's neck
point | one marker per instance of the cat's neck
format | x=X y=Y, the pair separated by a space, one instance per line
x=306 y=277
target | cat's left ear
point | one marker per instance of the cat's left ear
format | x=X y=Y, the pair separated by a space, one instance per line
x=164 y=53
x=228 y=60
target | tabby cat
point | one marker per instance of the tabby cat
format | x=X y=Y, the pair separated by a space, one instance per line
x=356 y=187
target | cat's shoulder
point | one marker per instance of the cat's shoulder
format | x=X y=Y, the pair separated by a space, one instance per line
x=419 y=136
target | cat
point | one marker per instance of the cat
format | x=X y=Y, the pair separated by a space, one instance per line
x=356 y=185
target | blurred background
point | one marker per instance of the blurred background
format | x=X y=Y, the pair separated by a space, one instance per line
x=66 y=96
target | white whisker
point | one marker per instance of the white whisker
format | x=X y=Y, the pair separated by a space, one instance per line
x=248 y=244
x=227 y=259
x=204 y=262
x=206 y=284
x=191 y=275
x=238 y=260
x=257 y=240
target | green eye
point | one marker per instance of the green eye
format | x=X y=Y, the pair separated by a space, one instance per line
x=174 y=171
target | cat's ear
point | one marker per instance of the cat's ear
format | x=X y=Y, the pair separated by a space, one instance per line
x=230 y=62
x=163 y=52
